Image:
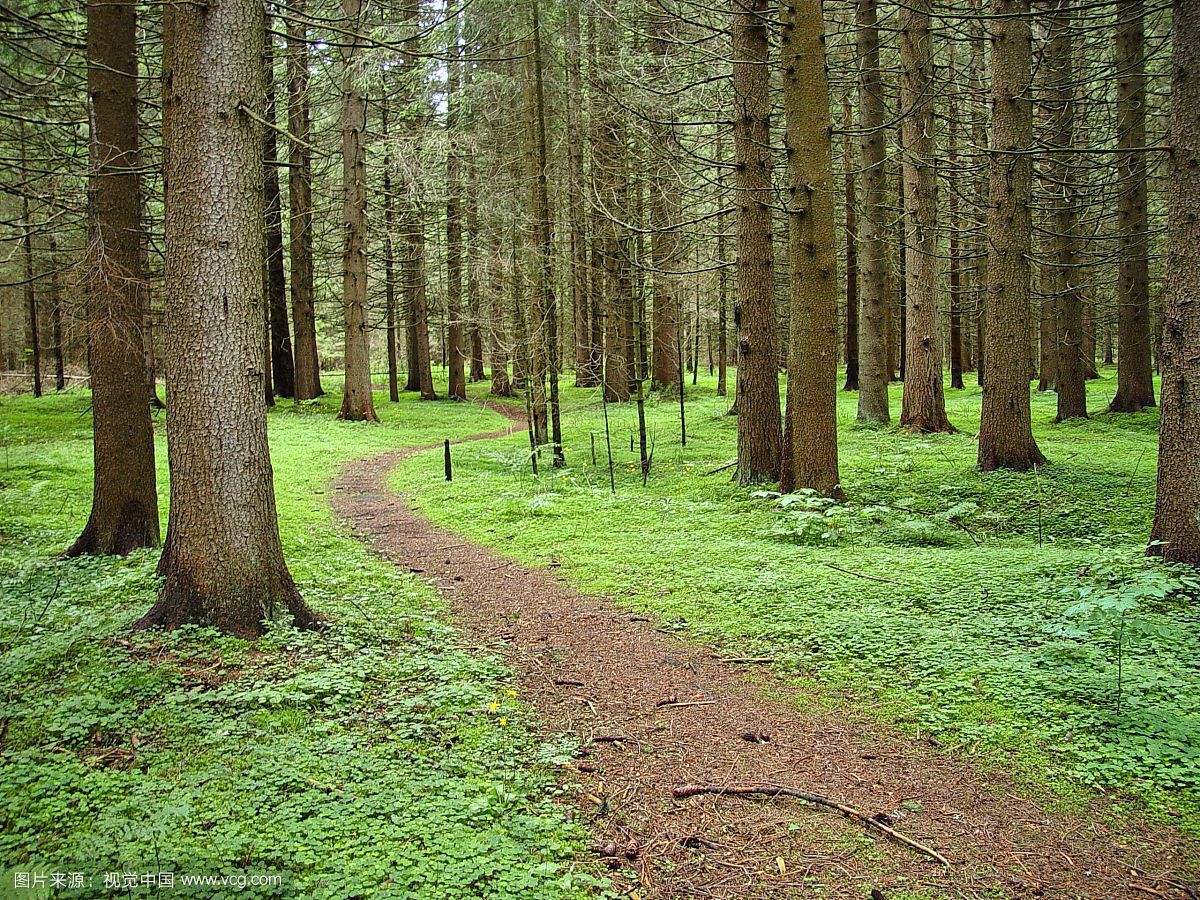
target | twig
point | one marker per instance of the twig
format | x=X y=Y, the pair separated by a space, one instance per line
x=728 y=465
x=776 y=790
x=863 y=575
x=675 y=704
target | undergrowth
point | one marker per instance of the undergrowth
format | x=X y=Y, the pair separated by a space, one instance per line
x=1011 y=615
x=376 y=759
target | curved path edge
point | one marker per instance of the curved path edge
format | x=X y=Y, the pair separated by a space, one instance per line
x=652 y=712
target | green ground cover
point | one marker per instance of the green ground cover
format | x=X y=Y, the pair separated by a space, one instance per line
x=1013 y=615
x=379 y=758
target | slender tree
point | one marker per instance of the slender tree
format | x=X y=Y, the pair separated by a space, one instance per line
x=1135 y=373
x=850 y=189
x=874 y=368
x=124 y=514
x=357 y=403
x=759 y=430
x=307 y=364
x=924 y=407
x=283 y=372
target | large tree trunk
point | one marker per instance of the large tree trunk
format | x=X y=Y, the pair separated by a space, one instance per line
x=283 y=372
x=874 y=368
x=759 y=432
x=357 y=403
x=223 y=562
x=924 y=407
x=1176 y=534
x=1135 y=373
x=124 y=513
x=810 y=460
x=1005 y=429
x=457 y=388
x=1069 y=275
x=307 y=384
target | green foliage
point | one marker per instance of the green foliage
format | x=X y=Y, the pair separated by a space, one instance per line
x=944 y=600
x=376 y=759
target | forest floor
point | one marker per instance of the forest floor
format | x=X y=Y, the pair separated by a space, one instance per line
x=654 y=713
x=382 y=758
x=988 y=662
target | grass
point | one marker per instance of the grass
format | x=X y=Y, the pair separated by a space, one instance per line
x=380 y=758
x=1011 y=615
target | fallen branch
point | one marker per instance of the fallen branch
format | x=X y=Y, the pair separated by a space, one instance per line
x=728 y=465
x=776 y=790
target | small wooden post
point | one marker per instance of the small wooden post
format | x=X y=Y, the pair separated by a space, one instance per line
x=449 y=466
x=593 y=449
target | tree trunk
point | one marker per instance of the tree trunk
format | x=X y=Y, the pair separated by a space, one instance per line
x=759 y=432
x=1069 y=275
x=954 y=226
x=1005 y=429
x=851 y=336
x=810 y=459
x=307 y=384
x=1176 y=534
x=581 y=300
x=457 y=387
x=56 y=317
x=31 y=304
x=875 y=369
x=223 y=562
x=124 y=514
x=1135 y=374
x=924 y=408
x=722 y=275
x=357 y=403
x=389 y=260
x=545 y=302
x=283 y=371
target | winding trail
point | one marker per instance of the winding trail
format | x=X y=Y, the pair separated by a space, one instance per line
x=653 y=712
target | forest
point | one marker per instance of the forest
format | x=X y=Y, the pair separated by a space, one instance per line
x=572 y=449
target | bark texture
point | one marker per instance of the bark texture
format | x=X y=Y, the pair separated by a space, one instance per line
x=759 y=431
x=1005 y=428
x=1135 y=373
x=357 y=402
x=307 y=384
x=874 y=324
x=124 y=514
x=924 y=407
x=1176 y=534
x=810 y=460
x=223 y=562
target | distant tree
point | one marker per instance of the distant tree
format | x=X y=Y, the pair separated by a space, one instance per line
x=924 y=407
x=874 y=368
x=307 y=366
x=1135 y=372
x=357 y=402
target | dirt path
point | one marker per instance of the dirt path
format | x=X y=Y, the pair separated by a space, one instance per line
x=653 y=713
